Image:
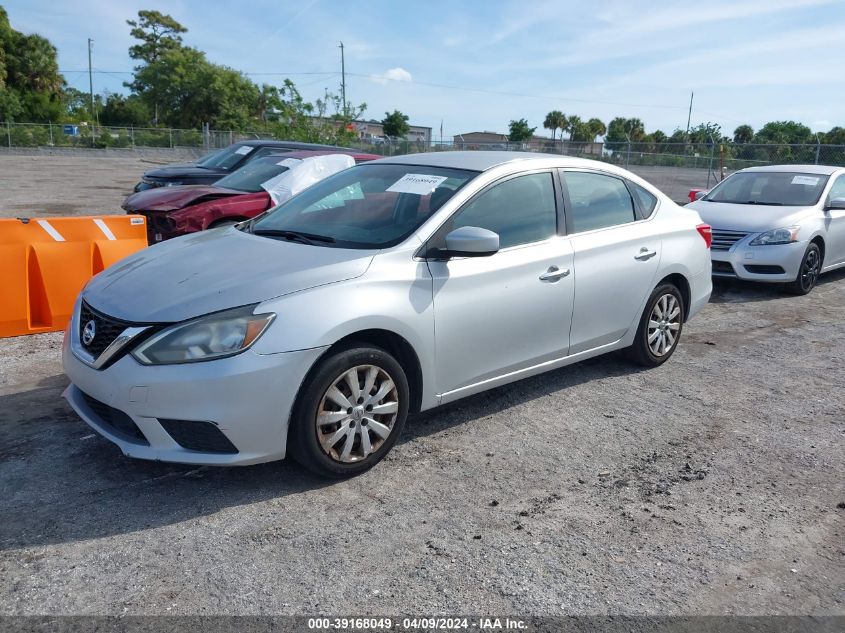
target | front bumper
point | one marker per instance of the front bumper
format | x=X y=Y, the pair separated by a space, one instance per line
x=247 y=397
x=776 y=264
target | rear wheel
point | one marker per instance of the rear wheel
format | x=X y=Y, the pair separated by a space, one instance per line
x=660 y=327
x=350 y=412
x=808 y=274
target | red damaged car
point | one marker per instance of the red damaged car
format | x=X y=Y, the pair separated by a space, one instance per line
x=257 y=186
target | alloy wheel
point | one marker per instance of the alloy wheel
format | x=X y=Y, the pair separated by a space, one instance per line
x=357 y=413
x=664 y=324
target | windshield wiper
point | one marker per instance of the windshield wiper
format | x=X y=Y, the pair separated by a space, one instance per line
x=768 y=204
x=295 y=236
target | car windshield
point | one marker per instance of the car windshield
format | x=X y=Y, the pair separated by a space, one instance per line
x=251 y=176
x=777 y=188
x=368 y=206
x=226 y=158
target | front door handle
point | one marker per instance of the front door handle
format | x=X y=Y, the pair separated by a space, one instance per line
x=554 y=273
x=645 y=254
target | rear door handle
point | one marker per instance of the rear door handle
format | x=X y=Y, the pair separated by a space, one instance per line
x=554 y=273
x=645 y=254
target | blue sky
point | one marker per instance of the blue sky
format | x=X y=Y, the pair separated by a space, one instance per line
x=476 y=64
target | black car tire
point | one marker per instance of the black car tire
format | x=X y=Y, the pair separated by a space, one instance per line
x=808 y=273
x=641 y=351
x=306 y=439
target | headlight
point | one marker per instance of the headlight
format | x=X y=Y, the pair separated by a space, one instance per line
x=776 y=236
x=214 y=336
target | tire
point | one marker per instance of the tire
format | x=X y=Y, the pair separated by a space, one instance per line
x=326 y=448
x=808 y=273
x=667 y=331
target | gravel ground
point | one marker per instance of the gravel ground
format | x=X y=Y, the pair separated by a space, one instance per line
x=710 y=485
x=69 y=184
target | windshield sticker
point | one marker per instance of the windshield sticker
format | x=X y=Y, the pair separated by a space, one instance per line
x=805 y=180
x=420 y=184
x=289 y=162
x=246 y=149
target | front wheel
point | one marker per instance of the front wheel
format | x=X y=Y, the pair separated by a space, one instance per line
x=660 y=327
x=350 y=412
x=808 y=274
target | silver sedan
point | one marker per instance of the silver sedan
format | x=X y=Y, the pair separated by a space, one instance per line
x=782 y=224
x=388 y=288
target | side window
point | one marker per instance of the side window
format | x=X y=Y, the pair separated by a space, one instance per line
x=645 y=199
x=597 y=201
x=837 y=190
x=521 y=210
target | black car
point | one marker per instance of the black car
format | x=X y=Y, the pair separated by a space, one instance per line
x=213 y=167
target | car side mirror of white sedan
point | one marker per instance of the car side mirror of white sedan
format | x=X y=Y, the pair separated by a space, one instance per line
x=471 y=241
x=837 y=204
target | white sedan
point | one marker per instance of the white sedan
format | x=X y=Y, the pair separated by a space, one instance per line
x=783 y=223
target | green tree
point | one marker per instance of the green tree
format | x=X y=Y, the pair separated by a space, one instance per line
x=596 y=127
x=705 y=133
x=621 y=130
x=743 y=134
x=555 y=120
x=156 y=33
x=834 y=136
x=520 y=130
x=30 y=82
x=120 y=110
x=395 y=124
x=784 y=133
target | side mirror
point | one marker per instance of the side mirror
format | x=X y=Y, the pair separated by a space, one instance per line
x=837 y=204
x=700 y=194
x=471 y=241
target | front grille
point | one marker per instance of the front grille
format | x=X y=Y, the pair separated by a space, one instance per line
x=203 y=437
x=723 y=240
x=118 y=422
x=723 y=268
x=764 y=269
x=106 y=330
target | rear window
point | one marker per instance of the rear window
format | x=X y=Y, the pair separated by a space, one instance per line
x=778 y=188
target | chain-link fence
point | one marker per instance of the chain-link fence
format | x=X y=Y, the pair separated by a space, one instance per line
x=674 y=168
x=31 y=135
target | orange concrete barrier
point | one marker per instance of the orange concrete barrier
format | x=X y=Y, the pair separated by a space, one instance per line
x=45 y=262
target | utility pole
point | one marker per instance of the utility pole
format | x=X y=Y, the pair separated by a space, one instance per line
x=689 y=116
x=343 y=79
x=91 y=80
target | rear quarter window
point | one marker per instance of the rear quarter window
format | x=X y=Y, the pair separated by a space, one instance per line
x=646 y=201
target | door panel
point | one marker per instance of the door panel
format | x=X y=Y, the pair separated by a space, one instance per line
x=494 y=315
x=616 y=257
x=612 y=283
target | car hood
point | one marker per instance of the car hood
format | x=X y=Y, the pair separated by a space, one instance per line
x=215 y=270
x=172 y=198
x=750 y=218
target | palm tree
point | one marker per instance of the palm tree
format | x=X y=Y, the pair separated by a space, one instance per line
x=596 y=127
x=575 y=128
x=555 y=120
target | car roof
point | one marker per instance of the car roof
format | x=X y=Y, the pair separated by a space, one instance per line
x=481 y=160
x=826 y=170
x=358 y=156
x=264 y=142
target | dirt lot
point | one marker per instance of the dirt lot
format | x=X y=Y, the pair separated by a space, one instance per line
x=712 y=485
x=72 y=183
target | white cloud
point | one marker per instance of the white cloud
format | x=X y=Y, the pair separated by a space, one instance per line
x=394 y=74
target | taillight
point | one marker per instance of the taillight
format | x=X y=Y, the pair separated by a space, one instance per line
x=706 y=233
